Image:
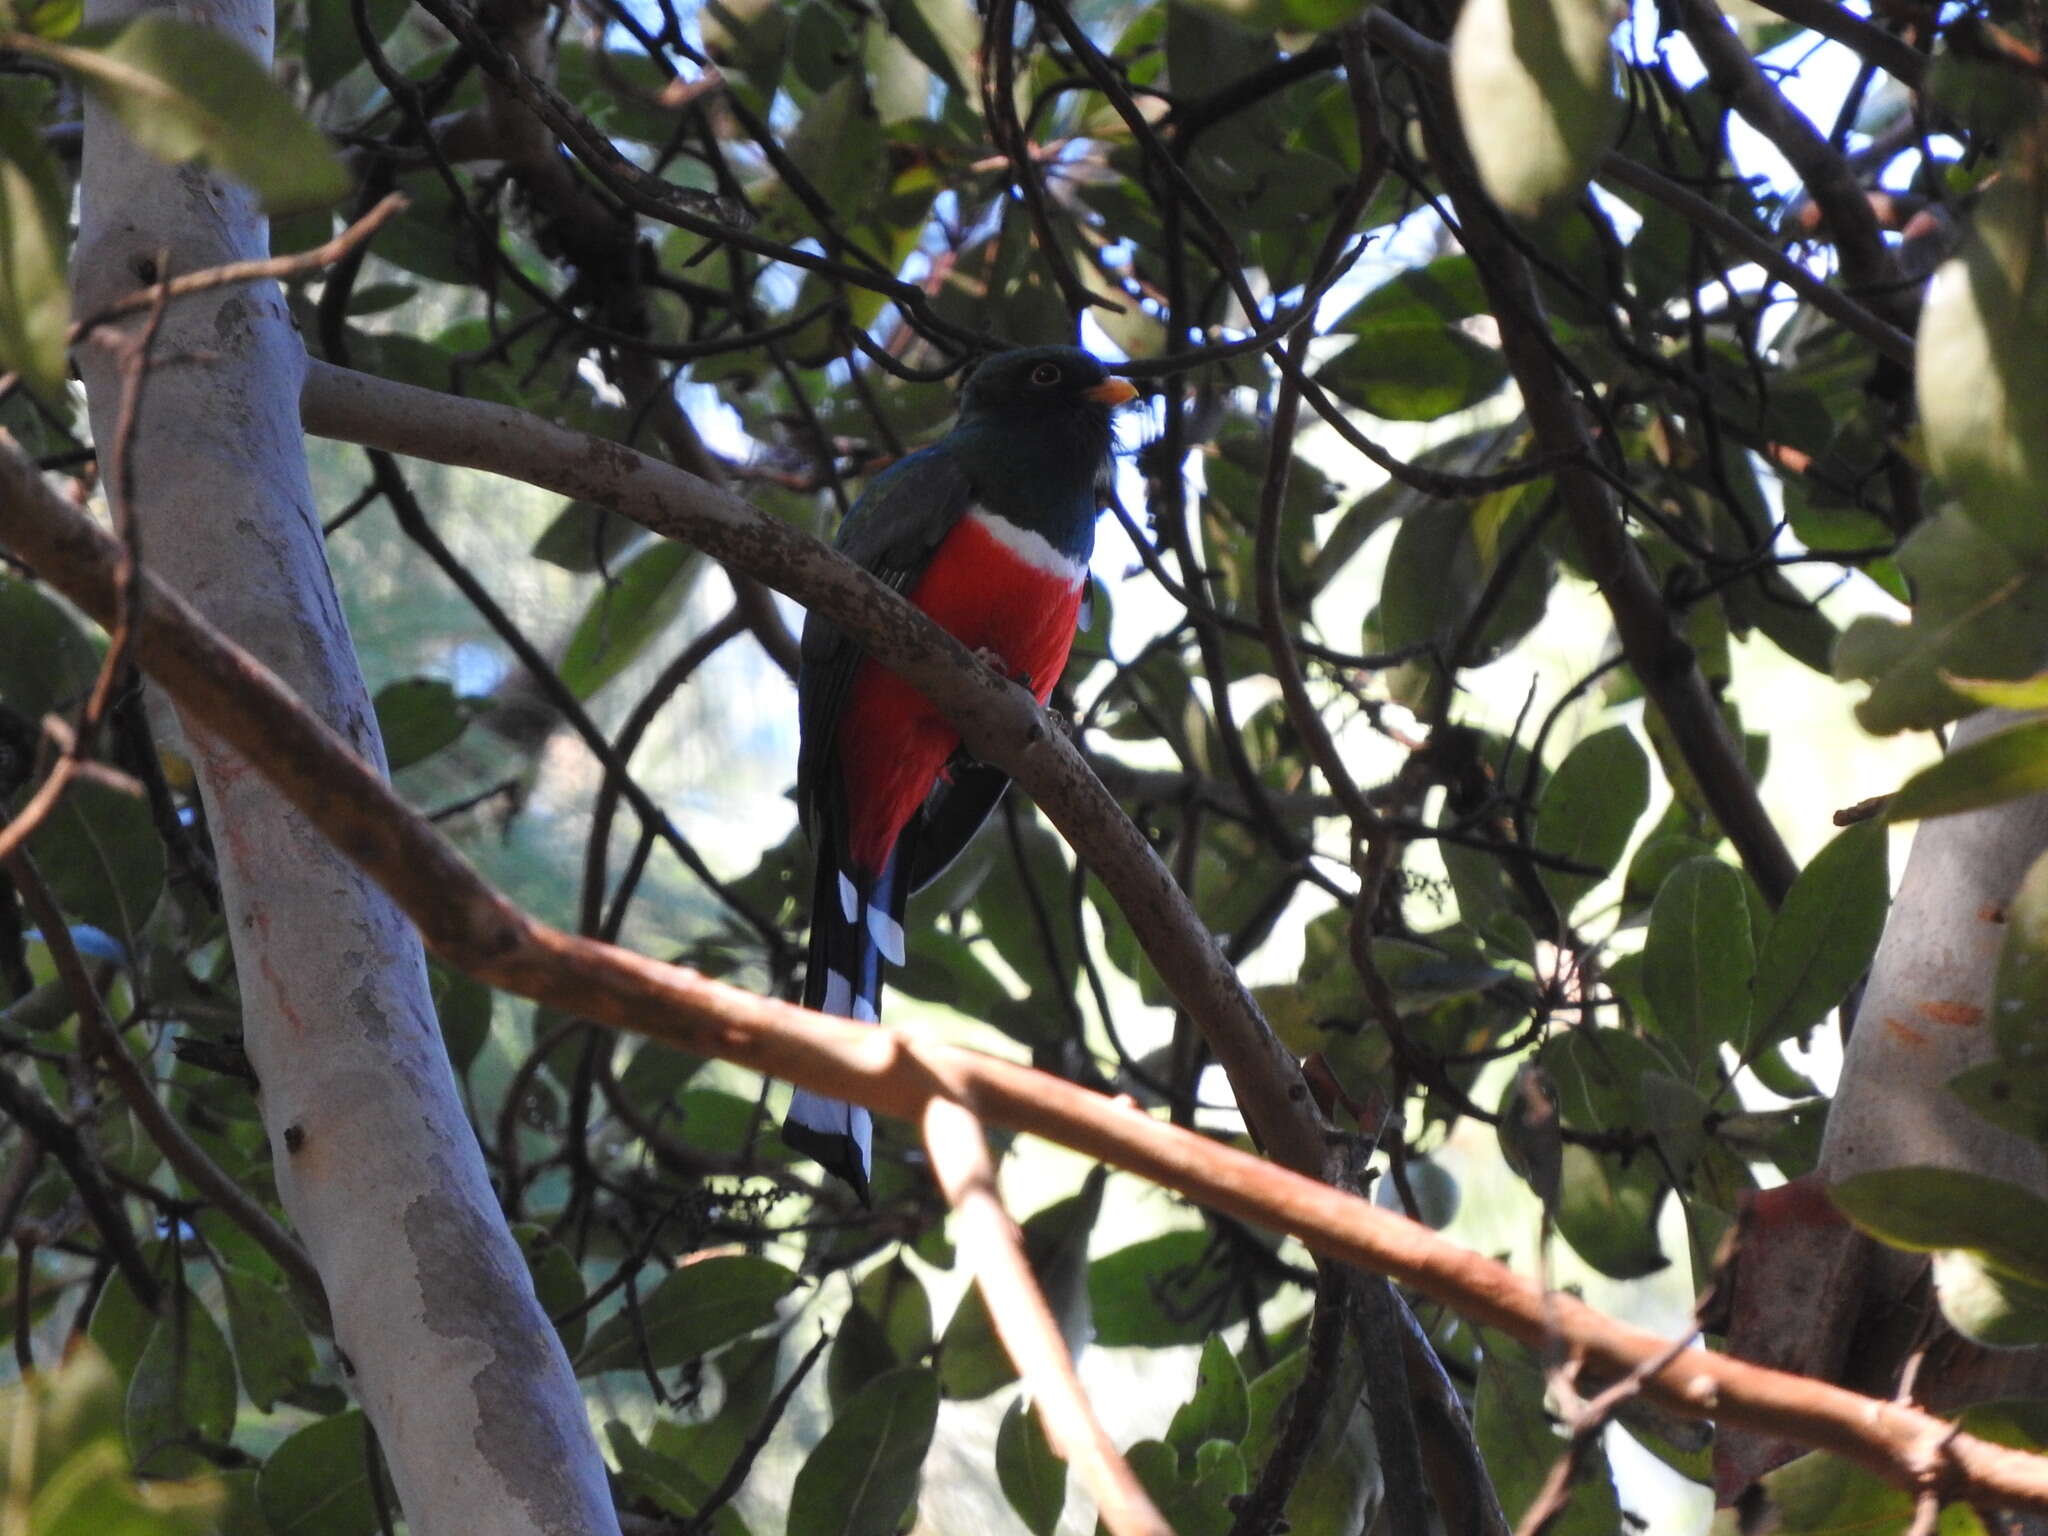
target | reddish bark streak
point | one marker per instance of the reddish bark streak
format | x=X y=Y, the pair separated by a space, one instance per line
x=1905 y=1033
x=1958 y=1015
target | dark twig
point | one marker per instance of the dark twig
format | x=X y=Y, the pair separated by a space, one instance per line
x=743 y=1463
x=1659 y=655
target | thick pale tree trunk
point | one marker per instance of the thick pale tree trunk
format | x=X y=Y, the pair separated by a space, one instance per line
x=478 y=1414
x=1811 y=1294
x=1925 y=1014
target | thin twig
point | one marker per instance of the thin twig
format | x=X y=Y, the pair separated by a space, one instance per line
x=1024 y=1320
x=158 y=1123
x=269 y=268
x=756 y=1441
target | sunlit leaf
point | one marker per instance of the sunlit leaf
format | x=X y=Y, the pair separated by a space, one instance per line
x=636 y=604
x=694 y=1310
x=1822 y=938
x=860 y=1479
x=1981 y=366
x=1697 y=961
x=1534 y=81
x=1589 y=809
x=1033 y=1479
x=183 y=95
x=35 y=299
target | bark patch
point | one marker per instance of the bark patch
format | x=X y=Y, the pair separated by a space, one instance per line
x=1958 y=1015
x=470 y=1296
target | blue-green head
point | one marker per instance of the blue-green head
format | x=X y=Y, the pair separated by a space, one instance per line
x=1035 y=431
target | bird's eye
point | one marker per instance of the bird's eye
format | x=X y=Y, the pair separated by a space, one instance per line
x=1046 y=373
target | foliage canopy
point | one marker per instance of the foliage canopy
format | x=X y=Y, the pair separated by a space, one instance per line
x=1399 y=442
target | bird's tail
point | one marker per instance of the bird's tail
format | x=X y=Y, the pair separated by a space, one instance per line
x=853 y=930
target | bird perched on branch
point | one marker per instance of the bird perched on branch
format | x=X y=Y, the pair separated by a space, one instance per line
x=989 y=531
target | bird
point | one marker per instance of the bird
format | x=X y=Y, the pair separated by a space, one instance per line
x=989 y=531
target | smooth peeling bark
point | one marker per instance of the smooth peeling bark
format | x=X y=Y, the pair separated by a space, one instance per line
x=475 y=1407
x=1926 y=1013
x=1810 y=1293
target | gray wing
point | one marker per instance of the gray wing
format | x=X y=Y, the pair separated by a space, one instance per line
x=892 y=531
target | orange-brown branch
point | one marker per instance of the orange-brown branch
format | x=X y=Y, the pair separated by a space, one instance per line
x=225 y=691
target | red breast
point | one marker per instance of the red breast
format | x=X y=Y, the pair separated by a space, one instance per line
x=995 y=587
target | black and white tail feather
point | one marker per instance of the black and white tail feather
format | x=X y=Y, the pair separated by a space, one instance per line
x=852 y=932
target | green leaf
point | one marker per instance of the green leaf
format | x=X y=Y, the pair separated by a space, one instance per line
x=585 y=537
x=1981 y=369
x=1822 y=1495
x=639 y=603
x=1445 y=557
x=1020 y=887
x=1976 y=603
x=101 y=854
x=1934 y=1209
x=1414 y=370
x=1445 y=291
x=183 y=1387
x=1982 y=1302
x=895 y=1297
x=1289 y=15
x=50 y=660
x=889 y=1324
x=2011 y=1095
x=1176 y=1288
x=1589 y=809
x=946 y=35
x=318 y=1482
x=272 y=1350
x=972 y=1360
x=860 y=1352
x=417 y=717
x=1823 y=937
x=1515 y=1437
x=693 y=1311
x=1534 y=82
x=2002 y=766
x=1193 y=1504
x=332 y=48
x=121 y=1325
x=557 y=1282
x=2019 y=1006
x=1219 y=1408
x=1607 y=1211
x=861 y=1477
x=463 y=1005
x=1339 y=1485
x=35 y=299
x=669 y=1481
x=183 y=93
x=1698 y=961
x=1033 y=1478
x=1995 y=693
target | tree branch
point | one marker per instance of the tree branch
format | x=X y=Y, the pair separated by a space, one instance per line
x=1868 y=266
x=999 y=722
x=1024 y=1320
x=1660 y=657
x=1894 y=55
x=229 y=694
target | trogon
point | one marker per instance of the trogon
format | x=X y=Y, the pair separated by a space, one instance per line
x=989 y=531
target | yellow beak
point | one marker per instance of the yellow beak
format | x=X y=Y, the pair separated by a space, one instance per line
x=1111 y=391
